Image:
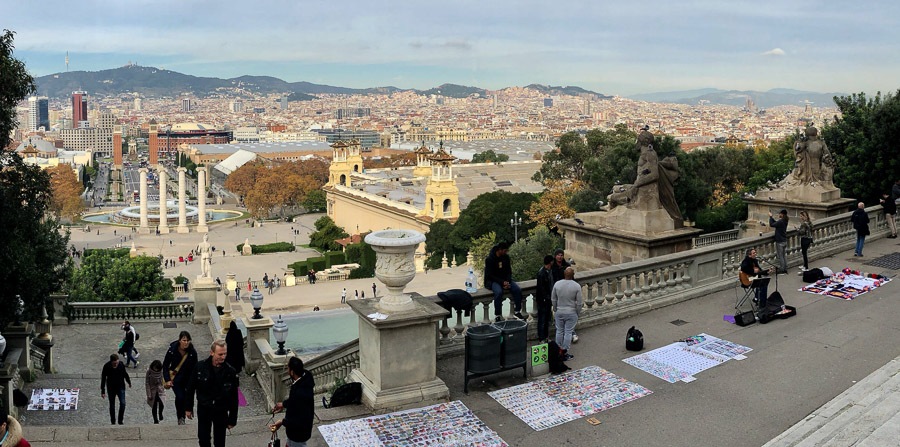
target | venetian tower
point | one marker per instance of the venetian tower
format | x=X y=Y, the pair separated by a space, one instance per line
x=354 y=159
x=423 y=162
x=441 y=193
x=339 y=170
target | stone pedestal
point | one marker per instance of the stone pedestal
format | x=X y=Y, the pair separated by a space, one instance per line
x=398 y=356
x=19 y=336
x=144 y=227
x=182 y=199
x=45 y=343
x=257 y=329
x=201 y=200
x=819 y=201
x=246 y=250
x=163 y=211
x=623 y=235
x=205 y=292
x=230 y=282
x=289 y=279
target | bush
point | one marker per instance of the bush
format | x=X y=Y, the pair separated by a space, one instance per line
x=300 y=268
x=362 y=272
x=269 y=248
x=333 y=258
x=179 y=280
x=113 y=252
x=318 y=263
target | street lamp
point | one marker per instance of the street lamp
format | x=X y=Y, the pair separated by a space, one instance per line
x=515 y=222
x=256 y=300
x=2 y=349
x=281 y=331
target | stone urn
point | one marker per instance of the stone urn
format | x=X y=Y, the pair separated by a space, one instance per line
x=395 y=264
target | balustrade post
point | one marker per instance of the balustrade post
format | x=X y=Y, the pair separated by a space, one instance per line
x=628 y=290
x=486 y=307
x=589 y=297
x=609 y=291
x=687 y=274
x=639 y=283
x=444 y=331
x=459 y=326
x=619 y=292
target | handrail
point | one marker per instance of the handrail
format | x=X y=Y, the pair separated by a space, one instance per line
x=175 y=310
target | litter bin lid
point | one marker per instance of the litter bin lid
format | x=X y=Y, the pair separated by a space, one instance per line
x=510 y=325
x=482 y=332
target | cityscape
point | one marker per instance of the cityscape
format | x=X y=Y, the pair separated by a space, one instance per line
x=411 y=224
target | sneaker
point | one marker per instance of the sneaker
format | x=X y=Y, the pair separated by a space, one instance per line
x=568 y=357
x=520 y=316
x=498 y=319
x=574 y=338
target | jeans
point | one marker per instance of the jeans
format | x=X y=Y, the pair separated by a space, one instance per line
x=860 y=241
x=544 y=313
x=805 y=242
x=498 y=297
x=289 y=443
x=179 y=391
x=209 y=417
x=157 y=409
x=130 y=358
x=565 y=327
x=112 y=405
x=779 y=252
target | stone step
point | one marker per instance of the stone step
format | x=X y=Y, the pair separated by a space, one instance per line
x=858 y=412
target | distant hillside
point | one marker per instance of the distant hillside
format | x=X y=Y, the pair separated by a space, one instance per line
x=771 y=98
x=568 y=90
x=453 y=91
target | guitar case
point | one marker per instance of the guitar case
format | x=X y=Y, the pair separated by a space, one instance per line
x=775 y=309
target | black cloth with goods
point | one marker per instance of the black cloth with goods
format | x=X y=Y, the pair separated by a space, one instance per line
x=456 y=299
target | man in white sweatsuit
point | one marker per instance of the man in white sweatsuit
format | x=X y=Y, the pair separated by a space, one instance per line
x=567 y=303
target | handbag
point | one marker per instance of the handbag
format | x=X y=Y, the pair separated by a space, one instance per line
x=174 y=372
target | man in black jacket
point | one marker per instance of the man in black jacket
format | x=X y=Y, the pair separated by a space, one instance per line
x=750 y=267
x=112 y=382
x=498 y=277
x=780 y=227
x=543 y=301
x=890 y=209
x=216 y=385
x=299 y=407
x=860 y=219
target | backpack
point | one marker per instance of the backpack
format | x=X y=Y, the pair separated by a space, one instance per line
x=554 y=359
x=346 y=394
x=634 y=340
x=813 y=275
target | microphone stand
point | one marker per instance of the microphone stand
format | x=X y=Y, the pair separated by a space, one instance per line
x=776 y=272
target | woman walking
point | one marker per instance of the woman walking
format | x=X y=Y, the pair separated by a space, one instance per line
x=805 y=232
x=181 y=358
x=156 y=392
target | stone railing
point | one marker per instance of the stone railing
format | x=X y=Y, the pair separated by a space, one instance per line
x=298 y=280
x=178 y=310
x=10 y=379
x=37 y=357
x=714 y=238
x=334 y=365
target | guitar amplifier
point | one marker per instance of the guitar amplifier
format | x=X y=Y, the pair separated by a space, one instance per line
x=744 y=319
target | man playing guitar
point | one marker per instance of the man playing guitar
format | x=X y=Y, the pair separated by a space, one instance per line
x=749 y=271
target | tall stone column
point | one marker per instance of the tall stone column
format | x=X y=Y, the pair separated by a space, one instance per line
x=182 y=211
x=201 y=200
x=144 y=228
x=163 y=212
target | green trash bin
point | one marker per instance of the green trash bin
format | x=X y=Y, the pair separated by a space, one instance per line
x=514 y=349
x=482 y=349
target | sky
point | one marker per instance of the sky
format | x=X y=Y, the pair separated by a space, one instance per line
x=609 y=47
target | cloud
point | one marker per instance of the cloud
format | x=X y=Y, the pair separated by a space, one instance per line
x=775 y=52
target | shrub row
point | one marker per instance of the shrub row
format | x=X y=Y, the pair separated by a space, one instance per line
x=274 y=247
x=318 y=263
x=114 y=252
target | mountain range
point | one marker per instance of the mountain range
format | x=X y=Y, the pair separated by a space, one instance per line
x=769 y=98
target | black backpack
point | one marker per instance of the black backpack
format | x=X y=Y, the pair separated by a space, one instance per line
x=554 y=359
x=634 y=340
x=813 y=275
x=346 y=394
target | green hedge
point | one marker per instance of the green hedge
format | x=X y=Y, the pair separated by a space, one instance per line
x=269 y=248
x=333 y=258
x=317 y=264
x=114 y=252
x=362 y=272
x=301 y=268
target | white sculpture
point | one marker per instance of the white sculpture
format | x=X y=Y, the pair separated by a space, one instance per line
x=205 y=250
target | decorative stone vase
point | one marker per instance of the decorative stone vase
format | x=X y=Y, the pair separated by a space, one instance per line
x=395 y=264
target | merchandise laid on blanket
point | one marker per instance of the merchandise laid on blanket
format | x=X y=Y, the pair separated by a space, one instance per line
x=561 y=398
x=681 y=360
x=450 y=423
x=54 y=399
x=846 y=285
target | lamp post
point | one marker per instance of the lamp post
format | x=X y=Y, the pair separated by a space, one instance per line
x=281 y=331
x=515 y=222
x=256 y=300
x=2 y=349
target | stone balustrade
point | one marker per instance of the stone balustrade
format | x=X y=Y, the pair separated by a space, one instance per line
x=177 y=310
x=334 y=365
x=714 y=238
x=10 y=379
x=298 y=280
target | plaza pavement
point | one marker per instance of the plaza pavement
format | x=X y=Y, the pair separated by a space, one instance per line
x=801 y=370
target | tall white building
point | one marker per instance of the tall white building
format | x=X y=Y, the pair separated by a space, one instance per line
x=237 y=106
x=137 y=104
x=88 y=138
x=38 y=113
x=186 y=105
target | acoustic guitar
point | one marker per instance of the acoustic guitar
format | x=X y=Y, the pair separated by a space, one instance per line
x=747 y=279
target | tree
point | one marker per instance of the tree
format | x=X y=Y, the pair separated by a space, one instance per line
x=527 y=254
x=66 y=199
x=105 y=275
x=33 y=246
x=437 y=244
x=489 y=156
x=863 y=140
x=481 y=247
x=566 y=162
x=553 y=204
x=393 y=161
x=314 y=201
x=325 y=235
x=491 y=212
x=241 y=181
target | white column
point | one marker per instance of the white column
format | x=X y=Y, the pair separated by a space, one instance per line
x=182 y=211
x=163 y=211
x=144 y=228
x=201 y=200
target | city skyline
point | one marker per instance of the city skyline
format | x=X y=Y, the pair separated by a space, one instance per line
x=608 y=48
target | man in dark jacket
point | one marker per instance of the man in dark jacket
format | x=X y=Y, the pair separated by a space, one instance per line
x=299 y=407
x=860 y=221
x=543 y=303
x=750 y=267
x=215 y=384
x=890 y=209
x=498 y=277
x=128 y=348
x=112 y=382
x=558 y=269
x=780 y=227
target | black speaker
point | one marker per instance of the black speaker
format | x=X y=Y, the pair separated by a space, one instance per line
x=744 y=319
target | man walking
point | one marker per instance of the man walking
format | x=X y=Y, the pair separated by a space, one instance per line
x=567 y=302
x=498 y=277
x=780 y=227
x=860 y=221
x=299 y=407
x=374 y=289
x=128 y=348
x=344 y=295
x=112 y=382
x=543 y=301
x=215 y=384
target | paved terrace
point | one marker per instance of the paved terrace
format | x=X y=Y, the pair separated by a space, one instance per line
x=796 y=366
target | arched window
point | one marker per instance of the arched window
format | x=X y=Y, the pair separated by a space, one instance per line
x=343 y=180
x=432 y=205
x=448 y=207
x=355 y=168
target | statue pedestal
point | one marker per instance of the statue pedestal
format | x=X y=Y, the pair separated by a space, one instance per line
x=398 y=356
x=623 y=235
x=257 y=329
x=819 y=201
x=205 y=290
x=19 y=336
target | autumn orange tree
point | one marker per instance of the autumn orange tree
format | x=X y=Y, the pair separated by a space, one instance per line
x=266 y=189
x=553 y=203
x=66 y=199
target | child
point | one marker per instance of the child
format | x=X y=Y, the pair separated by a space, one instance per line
x=156 y=393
